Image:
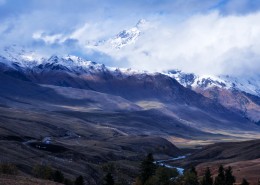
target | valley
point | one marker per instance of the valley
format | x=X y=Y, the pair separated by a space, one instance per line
x=134 y=92
x=82 y=119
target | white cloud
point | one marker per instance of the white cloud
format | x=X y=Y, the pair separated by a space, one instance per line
x=208 y=43
x=179 y=38
x=48 y=39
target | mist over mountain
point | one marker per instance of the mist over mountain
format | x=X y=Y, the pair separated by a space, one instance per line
x=129 y=92
x=72 y=71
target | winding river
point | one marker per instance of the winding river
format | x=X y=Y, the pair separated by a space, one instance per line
x=163 y=163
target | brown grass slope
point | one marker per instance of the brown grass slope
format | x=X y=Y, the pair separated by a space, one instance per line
x=243 y=157
x=22 y=180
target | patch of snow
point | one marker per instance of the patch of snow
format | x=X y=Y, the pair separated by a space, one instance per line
x=246 y=84
x=123 y=38
x=20 y=56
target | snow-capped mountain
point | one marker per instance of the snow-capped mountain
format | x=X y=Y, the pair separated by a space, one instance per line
x=73 y=84
x=125 y=37
x=246 y=84
x=16 y=55
x=19 y=58
x=239 y=94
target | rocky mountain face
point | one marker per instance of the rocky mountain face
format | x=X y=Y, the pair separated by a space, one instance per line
x=69 y=82
x=125 y=37
x=238 y=94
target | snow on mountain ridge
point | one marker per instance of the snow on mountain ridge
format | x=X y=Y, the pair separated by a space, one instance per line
x=246 y=84
x=21 y=56
x=123 y=38
x=129 y=36
x=15 y=57
x=18 y=57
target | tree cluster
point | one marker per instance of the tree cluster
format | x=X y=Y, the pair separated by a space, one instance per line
x=46 y=172
x=7 y=168
x=151 y=174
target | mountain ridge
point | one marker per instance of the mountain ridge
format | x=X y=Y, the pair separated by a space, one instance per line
x=135 y=86
x=241 y=95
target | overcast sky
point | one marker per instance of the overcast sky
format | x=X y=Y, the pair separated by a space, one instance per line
x=201 y=36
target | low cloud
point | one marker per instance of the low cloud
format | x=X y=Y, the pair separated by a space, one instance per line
x=48 y=39
x=214 y=37
x=204 y=44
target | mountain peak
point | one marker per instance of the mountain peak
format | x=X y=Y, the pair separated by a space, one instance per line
x=191 y=80
x=141 y=23
x=21 y=56
x=14 y=56
x=53 y=58
x=123 y=38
